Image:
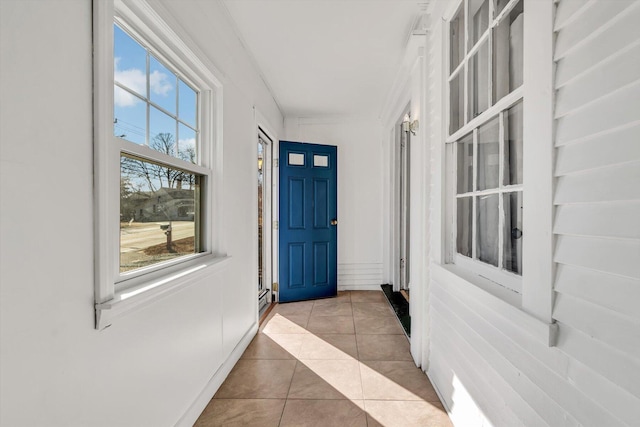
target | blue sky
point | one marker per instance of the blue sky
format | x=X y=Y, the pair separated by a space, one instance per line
x=165 y=90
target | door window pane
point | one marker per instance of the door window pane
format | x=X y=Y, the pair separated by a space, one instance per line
x=508 y=53
x=513 y=232
x=464 y=229
x=456 y=38
x=162 y=86
x=487 y=229
x=479 y=81
x=465 y=164
x=489 y=155
x=513 y=145
x=456 y=100
x=296 y=159
x=159 y=214
x=320 y=161
x=478 y=20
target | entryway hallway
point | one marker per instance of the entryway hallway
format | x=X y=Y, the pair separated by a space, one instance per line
x=341 y=361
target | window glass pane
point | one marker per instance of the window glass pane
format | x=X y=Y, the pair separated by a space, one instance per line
x=260 y=211
x=464 y=226
x=489 y=155
x=187 y=144
x=479 y=81
x=159 y=213
x=187 y=103
x=500 y=4
x=162 y=85
x=513 y=232
x=162 y=132
x=478 y=20
x=320 y=161
x=129 y=62
x=456 y=101
x=508 y=53
x=465 y=164
x=513 y=145
x=129 y=116
x=456 y=38
x=487 y=229
x=296 y=159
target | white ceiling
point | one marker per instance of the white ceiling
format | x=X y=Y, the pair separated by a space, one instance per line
x=326 y=57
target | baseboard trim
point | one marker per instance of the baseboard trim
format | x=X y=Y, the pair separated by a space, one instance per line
x=372 y=287
x=191 y=416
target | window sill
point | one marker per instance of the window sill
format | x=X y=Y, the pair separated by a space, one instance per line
x=127 y=300
x=503 y=301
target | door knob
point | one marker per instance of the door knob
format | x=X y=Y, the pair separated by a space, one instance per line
x=334 y=222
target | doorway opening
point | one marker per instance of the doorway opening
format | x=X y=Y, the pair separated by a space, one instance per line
x=404 y=205
x=265 y=147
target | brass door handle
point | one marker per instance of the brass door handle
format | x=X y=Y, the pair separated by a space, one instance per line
x=334 y=222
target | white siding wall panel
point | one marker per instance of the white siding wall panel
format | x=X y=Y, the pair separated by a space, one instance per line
x=609 y=114
x=609 y=184
x=600 y=81
x=613 y=148
x=601 y=288
x=613 y=256
x=486 y=364
x=618 y=367
x=598 y=199
x=595 y=219
x=593 y=20
x=616 y=330
x=472 y=372
x=614 y=41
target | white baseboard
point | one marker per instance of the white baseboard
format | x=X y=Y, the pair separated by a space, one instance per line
x=375 y=287
x=191 y=416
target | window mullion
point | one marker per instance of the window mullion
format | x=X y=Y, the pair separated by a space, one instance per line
x=465 y=60
x=474 y=222
x=454 y=189
x=490 y=66
x=501 y=213
x=148 y=95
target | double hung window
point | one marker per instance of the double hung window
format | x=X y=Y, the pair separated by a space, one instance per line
x=485 y=139
x=157 y=156
x=160 y=188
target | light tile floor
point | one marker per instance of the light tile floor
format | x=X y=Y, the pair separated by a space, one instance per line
x=341 y=361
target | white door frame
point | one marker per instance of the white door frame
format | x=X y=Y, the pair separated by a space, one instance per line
x=270 y=236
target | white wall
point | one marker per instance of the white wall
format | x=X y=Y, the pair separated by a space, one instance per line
x=360 y=209
x=487 y=367
x=148 y=368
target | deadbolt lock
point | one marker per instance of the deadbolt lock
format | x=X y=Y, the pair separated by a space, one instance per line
x=334 y=222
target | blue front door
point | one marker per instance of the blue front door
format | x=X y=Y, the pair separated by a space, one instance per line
x=308 y=221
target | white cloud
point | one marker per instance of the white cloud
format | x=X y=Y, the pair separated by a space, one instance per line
x=159 y=83
x=132 y=78
x=135 y=79
x=187 y=142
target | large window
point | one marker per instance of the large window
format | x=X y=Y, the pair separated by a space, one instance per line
x=157 y=159
x=486 y=137
x=160 y=197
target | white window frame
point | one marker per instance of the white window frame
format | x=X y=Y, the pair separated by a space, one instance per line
x=535 y=295
x=496 y=110
x=117 y=293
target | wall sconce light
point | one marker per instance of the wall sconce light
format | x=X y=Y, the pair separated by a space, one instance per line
x=410 y=126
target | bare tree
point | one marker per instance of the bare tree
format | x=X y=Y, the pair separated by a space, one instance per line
x=154 y=175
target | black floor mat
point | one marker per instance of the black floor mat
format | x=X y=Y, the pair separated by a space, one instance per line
x=400 y=306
